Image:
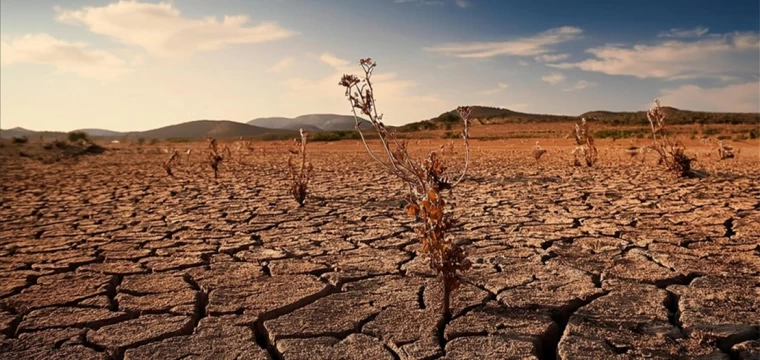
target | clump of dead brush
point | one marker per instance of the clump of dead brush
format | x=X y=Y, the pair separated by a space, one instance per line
x=725 y=151
x=214 y=157
x=300 y=175
x=538 y=152
x=167 y=165
x=584 y=149
x=426 y=181
x=672 y=153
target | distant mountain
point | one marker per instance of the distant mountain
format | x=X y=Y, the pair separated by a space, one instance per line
x=19 y=132
x=311 y=122
x=483 y=115
x=219 y=129
x=100 y=132
x=674 y=117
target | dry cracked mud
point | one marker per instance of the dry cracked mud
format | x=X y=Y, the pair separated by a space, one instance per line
x=105 y=257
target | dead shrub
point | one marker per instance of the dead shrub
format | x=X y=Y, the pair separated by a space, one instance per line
x=538 y=152
x=214 y=157
x=300 y=175
x=426 y=182
x=584 y=150
x=725 y=151
x=170 y=162
x=672 y=153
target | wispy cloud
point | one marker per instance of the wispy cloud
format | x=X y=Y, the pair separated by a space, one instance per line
x=387 y=84
x=527 y=46
x=463 y=3
x=517 y=107
x=161 y=29
x=684 y=33
x=553 y=78
x=580 y=85
x=419 y=2
x=713 y=56
x=732 y=98
x=499 y=88
x=281 y=65
x=546 y=58
x=74 y=57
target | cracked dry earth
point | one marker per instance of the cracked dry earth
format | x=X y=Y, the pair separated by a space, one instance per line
x=106 y=257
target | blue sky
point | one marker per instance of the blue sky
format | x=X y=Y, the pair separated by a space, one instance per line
x=136 y=65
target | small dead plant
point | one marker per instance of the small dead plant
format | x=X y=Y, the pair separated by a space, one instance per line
x=170 y=162
x=725 y=151
x=672 y=153
x=584 y=151
x=538 y=152
x=300 y=175
x=426 y=181
x=214 y=157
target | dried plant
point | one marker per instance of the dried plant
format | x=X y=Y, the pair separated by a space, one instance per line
x=538 y=152
x=584 y=148
x=168 y=163
x=672 y=153
x=426 y=182
x=300 y=175
x=725 y=151
x=214 y=157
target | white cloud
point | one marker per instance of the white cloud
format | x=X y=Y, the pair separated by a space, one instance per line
x=333 y=61
x=517 y=107
x=684 y=33
x=448 y=65
x=731 y=98
x=65 y=56
x=161 y=29
x=281 y=65
x=523 y=63
x=463 y=3
x=545 y=58
x=528 y=46
x=387 y=85
x=553 y=78
x=580 y=85
x=495 y=90
x=714 y=56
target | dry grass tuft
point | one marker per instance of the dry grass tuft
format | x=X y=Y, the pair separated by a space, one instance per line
x=214 y=157
x=725 y=151
x=584 y=148
x=538 y=152
x=672 y=153
x=300 y=175
x=170 y=162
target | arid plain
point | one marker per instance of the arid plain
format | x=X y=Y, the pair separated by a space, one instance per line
x=105 y=256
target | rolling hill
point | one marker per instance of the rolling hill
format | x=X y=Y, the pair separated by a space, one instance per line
x=220 y=129
x=100 y=132
x=483 y=115
x=311 y=122
x=19 y=132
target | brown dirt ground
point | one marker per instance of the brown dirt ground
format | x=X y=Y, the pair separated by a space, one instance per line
x=104 y=256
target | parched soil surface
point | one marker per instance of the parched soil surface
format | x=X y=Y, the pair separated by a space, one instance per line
x=105 y=256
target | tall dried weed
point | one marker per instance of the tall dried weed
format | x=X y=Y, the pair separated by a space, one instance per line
x=425 y=180
x=300 y=175
x=584 y=151
x=672 y=153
